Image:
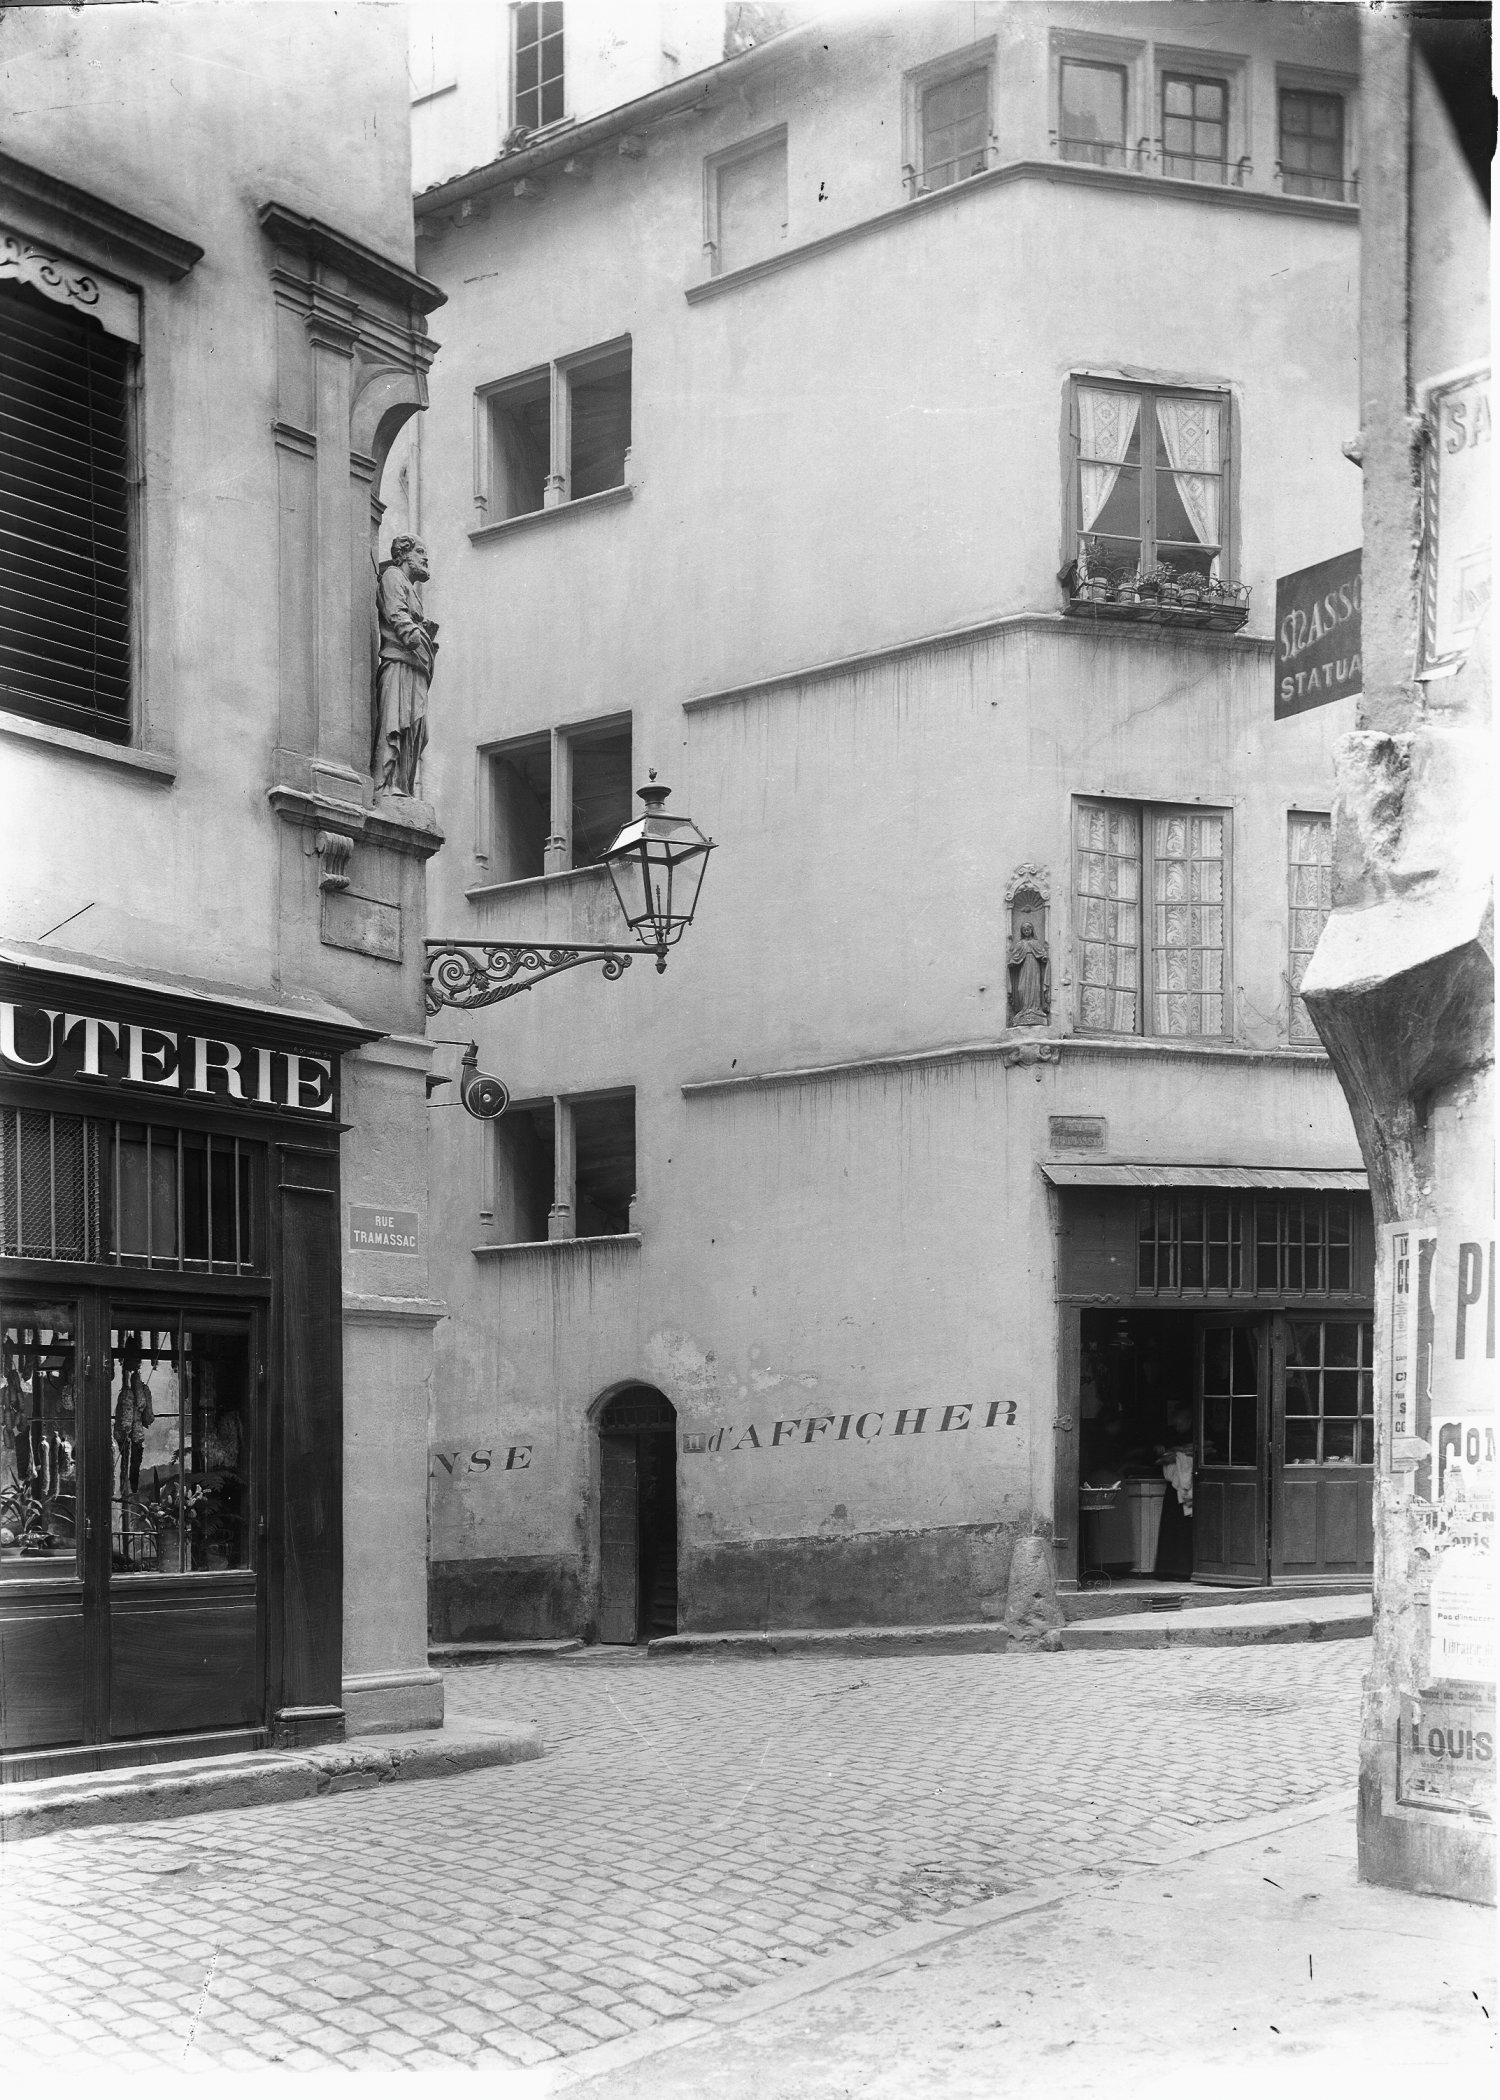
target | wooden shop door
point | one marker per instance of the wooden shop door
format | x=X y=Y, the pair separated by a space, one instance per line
x=1231 y=1438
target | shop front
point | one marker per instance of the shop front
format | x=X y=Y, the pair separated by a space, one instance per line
x=1216 y=1416
x=171 y=1462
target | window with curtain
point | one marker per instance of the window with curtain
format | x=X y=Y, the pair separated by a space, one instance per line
x=1150 y=909
x=955 y=128
x=1309 y=884
x=1151 y=476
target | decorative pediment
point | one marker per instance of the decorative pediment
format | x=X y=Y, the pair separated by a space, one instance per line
x=1031 y=880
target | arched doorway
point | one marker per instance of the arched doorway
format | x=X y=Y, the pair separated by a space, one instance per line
x=637 y=1516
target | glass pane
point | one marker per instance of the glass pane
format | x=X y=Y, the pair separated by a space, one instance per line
x=1093 y=113
x=182 y=1443
x=1244 y=1359
x=1242 y=1432
x=1216 y=1354
x=1301 y=1443
x=1341 y=1392
x=1303 y=1342
x=1338 y=1443
x=1302 y=1392
x=1341 y=1339
x=1215 y=1432
x=39 y=1440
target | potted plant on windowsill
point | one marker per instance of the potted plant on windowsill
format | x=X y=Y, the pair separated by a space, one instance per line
x=26 y=1519
x=1091 y=583
x=174 y=1508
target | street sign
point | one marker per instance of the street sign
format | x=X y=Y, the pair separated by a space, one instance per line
x=1317 y=635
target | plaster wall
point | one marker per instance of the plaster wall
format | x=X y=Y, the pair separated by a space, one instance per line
x=860 y=448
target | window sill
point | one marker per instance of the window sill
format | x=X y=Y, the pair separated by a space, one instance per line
x=153 y=765
x=484 y=892
x=1218 y=618
x=611 y=1240
x=605 y=500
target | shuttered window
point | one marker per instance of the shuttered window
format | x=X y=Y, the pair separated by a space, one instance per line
x=64 y=518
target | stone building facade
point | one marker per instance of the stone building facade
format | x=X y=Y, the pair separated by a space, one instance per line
x=892 y=436
x=216 y=1358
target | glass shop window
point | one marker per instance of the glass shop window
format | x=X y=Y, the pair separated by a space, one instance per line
x=1231 y=1398
x=1190 y=1241
x=40 y=1433
x=1302 y=1244
x=181 y=1422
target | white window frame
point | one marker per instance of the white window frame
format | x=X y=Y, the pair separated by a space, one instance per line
x=536 y=131
x=560 y=374
x=1130 y=53
x=1146 y=989
x=1232 y=69
x=1148 y=388
x=935 y=73
x=713 y=166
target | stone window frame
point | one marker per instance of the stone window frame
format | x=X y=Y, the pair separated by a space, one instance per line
x=1300 y=1029
x=562 y=1213
x=1316 y=80
x=559 y=375
x=558 y=852
x=761 y=142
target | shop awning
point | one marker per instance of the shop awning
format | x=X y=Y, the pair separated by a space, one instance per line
x=1156 y=1174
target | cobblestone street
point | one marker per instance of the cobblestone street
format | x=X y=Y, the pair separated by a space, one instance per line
x=695 y=1829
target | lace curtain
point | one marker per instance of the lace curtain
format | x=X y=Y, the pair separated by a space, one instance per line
x=1106 y=425
x=1191 y=436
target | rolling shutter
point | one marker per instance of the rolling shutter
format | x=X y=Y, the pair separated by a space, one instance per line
x=64 y=518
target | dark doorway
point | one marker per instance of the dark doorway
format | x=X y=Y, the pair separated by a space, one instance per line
x=1136 y=1380
x=637 y=1517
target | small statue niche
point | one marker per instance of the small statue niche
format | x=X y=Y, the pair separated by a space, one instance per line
x=1028 y=962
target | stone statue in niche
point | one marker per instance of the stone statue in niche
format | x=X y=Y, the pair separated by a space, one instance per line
x=1028 y=966
x=408 y=651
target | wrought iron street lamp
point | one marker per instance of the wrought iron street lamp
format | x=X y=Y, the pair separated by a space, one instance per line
x=656 y=864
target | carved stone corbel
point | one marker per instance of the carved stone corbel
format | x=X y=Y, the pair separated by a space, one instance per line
x=333 y=849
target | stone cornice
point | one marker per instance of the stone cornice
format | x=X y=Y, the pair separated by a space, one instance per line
x=127 y=241
x=373 y=827
x=325 y=245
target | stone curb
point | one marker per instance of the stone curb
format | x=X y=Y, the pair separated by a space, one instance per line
x=981 y=1639
x=256 y=1779
x=450 y=1655
x=1100 y=1633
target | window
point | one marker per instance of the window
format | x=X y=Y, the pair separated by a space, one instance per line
x=1330 y=1393
x=558 y=801
x=746 y=203
x=179 y=1385
x=1312 y=144
x=1194 y=127
x=65 y=625
x=1309 y=884
x=537 y=94
x=955 y=128
x=1303 y=1243
x=1166 y=974
x=565 y=1168
x=144 y=1196
x=1151 y=480
x=1191 y=1241
x=555 y=434
x=1092 y=113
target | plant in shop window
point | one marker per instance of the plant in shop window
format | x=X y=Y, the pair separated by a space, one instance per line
x=26 y=1518
x=177 y=1511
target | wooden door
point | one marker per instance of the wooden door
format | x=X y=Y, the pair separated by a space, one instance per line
x=1323 y=1448
x=619 y=1540
x=1230 y=1451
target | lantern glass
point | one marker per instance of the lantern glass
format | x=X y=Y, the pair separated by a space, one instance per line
x=656 y=864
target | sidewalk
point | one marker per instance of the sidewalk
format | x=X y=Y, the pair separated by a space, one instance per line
x=35 y=1808
x=1253 y=1955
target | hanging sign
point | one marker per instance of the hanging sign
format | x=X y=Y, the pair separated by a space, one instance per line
x=1317 y=635
x=1457 y=505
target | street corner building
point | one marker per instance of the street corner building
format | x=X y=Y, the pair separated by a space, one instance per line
x=214 y=1377
x=892 y=435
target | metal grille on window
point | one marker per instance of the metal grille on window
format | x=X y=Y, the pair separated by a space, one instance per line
x=182 y=1199
x=49 y=1187
x=1309 y=883
x=64 y=518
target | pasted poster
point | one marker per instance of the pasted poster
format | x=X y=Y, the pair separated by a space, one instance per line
x=1457 y=506
x=1438 y=1358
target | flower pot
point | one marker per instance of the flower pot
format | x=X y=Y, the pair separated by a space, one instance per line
x=169 y=1544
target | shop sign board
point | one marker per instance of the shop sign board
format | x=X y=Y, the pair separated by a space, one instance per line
x=105 y=1050
x=1457 y=503
x=384 y=1231
x=1436 y=1353
x=1318 y=635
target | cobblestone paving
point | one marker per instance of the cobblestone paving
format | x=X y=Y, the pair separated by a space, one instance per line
x=696 y=1828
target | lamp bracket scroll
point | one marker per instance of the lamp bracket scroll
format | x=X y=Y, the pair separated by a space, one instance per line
x=478 y=973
